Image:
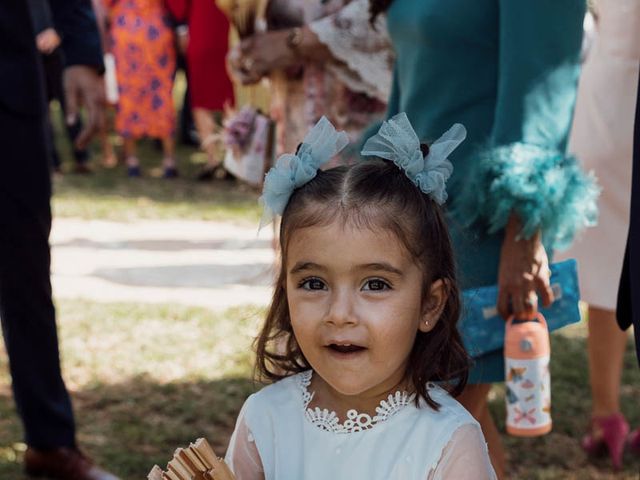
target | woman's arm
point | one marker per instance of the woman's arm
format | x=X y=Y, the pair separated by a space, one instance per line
x=344 y=40
x=523 y=178
x=258 y=55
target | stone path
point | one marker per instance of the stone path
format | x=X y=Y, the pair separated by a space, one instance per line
x=209 y=264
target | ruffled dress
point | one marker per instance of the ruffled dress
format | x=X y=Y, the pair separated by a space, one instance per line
x=277 y=436
x=508 y=71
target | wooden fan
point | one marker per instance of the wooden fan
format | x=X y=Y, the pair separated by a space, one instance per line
x=196 y=462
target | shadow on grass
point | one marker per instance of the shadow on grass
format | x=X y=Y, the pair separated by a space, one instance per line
x=131 y=426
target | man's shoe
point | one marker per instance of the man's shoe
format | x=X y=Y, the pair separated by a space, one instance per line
x=82 y=169
x=63 y=464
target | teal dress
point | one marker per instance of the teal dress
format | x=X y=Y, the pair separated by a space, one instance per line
x=507 y=70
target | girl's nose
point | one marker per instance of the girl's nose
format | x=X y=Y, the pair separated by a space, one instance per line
x=341 y=311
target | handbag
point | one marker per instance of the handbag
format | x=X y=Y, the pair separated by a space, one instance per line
x=110 y=79
x=481 y=327
x=249 y=137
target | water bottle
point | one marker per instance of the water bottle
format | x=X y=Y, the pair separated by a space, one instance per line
x=528 y=384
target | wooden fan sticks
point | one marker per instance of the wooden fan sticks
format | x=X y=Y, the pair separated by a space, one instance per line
x=196 y=462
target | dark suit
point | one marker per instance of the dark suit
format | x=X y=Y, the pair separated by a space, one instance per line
x=628 y=310
x=26 y=308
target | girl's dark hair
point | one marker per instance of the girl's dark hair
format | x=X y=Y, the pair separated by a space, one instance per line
x=376 y=7
x=373 y=194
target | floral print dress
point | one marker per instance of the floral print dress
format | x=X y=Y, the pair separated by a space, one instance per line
x=143 y=47
x=351 y=90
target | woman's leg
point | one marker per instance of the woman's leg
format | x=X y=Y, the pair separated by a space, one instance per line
x=606 y=345
x=474 y=399
x=207 y=128
x=129 y=147
x=169 y=152
x=109 y=158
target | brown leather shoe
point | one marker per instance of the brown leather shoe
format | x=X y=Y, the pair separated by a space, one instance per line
x=63 y=464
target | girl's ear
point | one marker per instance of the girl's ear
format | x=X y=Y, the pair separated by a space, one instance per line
x=434 y=305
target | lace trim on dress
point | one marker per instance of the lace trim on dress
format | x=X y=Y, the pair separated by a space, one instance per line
x=365 y=53
x=355 y=422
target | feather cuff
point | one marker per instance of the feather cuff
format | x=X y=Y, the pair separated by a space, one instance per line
x=548 y=190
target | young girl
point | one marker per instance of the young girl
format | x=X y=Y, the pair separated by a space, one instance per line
x=361 y=336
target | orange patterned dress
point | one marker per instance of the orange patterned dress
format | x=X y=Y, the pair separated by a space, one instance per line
x=143 y=47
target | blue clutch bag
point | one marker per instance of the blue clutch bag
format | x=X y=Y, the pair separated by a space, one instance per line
x=482 y=328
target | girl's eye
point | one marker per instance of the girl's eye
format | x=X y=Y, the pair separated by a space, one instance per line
x=376 y=285
x=312 y=284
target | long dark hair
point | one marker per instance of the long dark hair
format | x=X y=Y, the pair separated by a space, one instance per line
x=373 y=194
x=376 y=7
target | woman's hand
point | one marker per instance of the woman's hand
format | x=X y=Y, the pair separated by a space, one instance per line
x=256 y=56
x=524 y=270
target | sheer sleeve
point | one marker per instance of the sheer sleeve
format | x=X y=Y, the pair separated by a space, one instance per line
x=242 y=455
x=465 y=457
x=364 y=54
x=524 y=167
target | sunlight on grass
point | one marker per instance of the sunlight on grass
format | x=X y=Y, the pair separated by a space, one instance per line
x=110 y=344
x=109 y=195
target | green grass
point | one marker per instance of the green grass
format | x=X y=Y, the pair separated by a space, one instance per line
x=108 y=194
x=146 y=379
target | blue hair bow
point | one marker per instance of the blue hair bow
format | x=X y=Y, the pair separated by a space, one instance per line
x=397 y=141
x=294 y=170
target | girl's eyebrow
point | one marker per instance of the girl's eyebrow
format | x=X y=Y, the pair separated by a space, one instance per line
x=377 y=266
x=380 y=266
x=302 y=266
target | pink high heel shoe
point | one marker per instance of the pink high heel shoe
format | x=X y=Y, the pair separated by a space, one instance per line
x=634 y=441
x=608 y=434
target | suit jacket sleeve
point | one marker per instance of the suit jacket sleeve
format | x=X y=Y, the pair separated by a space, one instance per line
x=41 y=15
x=75 y=20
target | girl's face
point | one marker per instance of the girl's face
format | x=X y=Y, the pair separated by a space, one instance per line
x=355 y=300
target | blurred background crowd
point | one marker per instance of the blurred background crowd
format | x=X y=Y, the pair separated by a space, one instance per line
x=242 y=81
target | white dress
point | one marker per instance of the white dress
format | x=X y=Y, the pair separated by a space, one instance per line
x=278 y=437
x=602 y=138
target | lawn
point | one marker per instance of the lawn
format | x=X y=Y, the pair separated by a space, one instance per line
x=108 y=194
x=146 y=379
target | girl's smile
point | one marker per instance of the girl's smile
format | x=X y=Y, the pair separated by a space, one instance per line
x=356 y=304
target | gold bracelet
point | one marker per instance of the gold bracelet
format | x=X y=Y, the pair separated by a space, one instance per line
x=294 y=38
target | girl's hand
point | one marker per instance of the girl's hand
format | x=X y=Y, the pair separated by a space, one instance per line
x=256 y=56
x=47 y=41
x=524 y=269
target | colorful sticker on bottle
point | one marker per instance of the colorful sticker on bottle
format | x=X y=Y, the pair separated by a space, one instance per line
x=528 y=392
